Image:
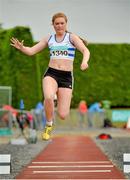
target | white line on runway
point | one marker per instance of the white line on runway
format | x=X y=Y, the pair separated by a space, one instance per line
x=73 y=166
x=70 y=171
x=70 y=162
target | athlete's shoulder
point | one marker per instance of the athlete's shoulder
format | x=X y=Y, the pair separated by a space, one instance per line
x=49 y=36
x=73 y=37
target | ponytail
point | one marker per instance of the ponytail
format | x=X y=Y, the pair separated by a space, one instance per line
x=84 y=41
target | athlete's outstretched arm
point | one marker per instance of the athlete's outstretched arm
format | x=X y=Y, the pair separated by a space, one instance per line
x=29 y=50
x=83 y=49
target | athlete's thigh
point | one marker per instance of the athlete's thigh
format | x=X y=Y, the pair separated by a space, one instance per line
x=50 y=87
x=64 y=96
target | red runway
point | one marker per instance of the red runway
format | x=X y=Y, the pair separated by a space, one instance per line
x=71 y=157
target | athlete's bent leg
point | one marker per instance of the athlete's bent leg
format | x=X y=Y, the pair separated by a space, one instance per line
x=64 y=96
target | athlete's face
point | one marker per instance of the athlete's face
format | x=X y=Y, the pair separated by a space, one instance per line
x=60 y=25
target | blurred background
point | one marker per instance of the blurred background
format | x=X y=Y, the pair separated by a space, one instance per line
x=101 y=98
x=105 y=24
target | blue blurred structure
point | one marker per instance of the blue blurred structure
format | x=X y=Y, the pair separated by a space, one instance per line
x=39 y=106
x=40 y=114
x=21 y=106
x=96 y=107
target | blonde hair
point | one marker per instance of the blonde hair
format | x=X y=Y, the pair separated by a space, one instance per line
x=60 y=14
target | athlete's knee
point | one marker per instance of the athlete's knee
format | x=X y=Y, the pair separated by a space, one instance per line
x=48 y=100
x=63 y=115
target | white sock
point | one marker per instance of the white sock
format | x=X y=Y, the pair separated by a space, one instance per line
x=49 y=123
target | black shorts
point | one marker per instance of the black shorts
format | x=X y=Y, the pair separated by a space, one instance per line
x=63 y=78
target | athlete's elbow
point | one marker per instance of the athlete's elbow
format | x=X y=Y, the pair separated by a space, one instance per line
x=27 y=51
x=30 y=53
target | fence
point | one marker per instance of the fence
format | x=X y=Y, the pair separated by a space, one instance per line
x=74 y=120
x=5 y=95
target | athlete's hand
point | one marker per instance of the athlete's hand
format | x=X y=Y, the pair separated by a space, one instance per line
x=16 y=43
x=83 y=66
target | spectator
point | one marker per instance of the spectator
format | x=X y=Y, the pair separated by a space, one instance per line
x=82 y=110
x=22 y=121
x=30 y=120
x=96 y=107
x=10 y=115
